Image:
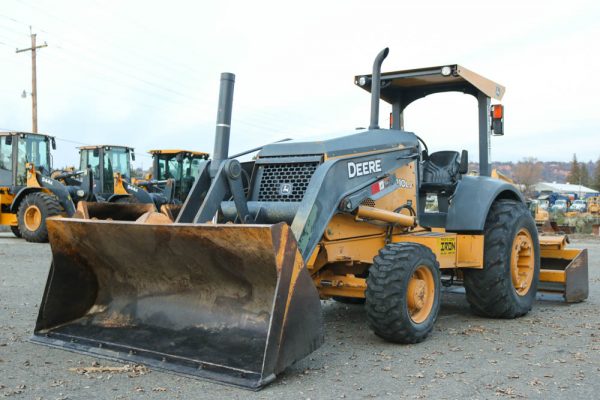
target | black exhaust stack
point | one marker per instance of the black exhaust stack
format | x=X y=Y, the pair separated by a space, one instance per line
x=223 y=128
x=376 y=88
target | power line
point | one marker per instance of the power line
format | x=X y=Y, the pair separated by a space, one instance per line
x=255 y=118
x=252 y=113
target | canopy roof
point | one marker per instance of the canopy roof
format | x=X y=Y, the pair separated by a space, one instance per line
x=13 y=133
x=194 y=153
x=409 y=85
x=98 y=146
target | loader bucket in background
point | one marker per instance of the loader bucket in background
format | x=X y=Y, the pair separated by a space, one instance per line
x=171 y=210
x=563 y=271
x=112 y=211
x=230 y=303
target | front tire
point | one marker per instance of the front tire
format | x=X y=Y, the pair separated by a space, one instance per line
x=403 y=293
x=507 y=284
x=32 y=215
x=15 y=230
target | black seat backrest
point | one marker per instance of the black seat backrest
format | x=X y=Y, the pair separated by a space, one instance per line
x=442 y=167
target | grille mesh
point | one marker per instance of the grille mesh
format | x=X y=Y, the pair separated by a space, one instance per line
x=368 y=203
x=285 y=182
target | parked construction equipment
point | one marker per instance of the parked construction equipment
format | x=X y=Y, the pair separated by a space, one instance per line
x=28 y=195
x=593 y=205
x=230 y=291
x=113 y=175
x=182 y=165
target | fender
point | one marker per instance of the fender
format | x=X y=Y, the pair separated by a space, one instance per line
x=21 y=194
x=51 y=185
x=472 y=200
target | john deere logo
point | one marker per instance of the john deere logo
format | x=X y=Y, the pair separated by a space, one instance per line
x=285 y=189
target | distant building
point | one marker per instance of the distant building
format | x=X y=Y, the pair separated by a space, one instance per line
x=565 y=188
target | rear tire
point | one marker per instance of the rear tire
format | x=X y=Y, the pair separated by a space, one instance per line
x=15 y=230
x=32 y=215
x=403 y=293
x=506 y=288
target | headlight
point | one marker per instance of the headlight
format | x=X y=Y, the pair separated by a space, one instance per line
x=446 y=71
x=362 y=81
x=80 y=193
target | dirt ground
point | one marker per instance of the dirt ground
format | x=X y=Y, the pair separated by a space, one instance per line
x=553 y=352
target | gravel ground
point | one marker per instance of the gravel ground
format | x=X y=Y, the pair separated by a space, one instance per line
x=553 y=352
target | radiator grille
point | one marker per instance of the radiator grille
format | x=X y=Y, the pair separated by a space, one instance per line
x=285 y=182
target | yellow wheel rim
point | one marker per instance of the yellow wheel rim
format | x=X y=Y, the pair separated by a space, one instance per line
x=522 y=262
x=33 y=218
x=420 y=294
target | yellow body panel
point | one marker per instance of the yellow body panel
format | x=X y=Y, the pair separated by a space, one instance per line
x=8 y=219
x=119 y=188
x=344 y=226
x=451 y=250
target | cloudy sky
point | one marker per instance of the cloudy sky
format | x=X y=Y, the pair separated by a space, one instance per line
x=146 y=74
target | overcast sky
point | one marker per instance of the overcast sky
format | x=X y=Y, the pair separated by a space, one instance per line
x=146 y=74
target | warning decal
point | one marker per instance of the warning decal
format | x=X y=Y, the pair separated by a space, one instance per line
x=447 y=246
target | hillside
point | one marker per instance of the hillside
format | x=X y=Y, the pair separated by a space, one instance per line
x=552 y=171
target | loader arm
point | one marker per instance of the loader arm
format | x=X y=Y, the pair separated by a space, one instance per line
x=123 y=187
x=330 y=184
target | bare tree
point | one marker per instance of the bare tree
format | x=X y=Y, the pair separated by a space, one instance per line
x=528 y=172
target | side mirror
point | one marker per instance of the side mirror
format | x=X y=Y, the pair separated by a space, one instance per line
x=96 y=152
x=463 y=167
x=53 y=143
x=132 y=155
x=8 y=140
x=497 y=113
x=179 y=157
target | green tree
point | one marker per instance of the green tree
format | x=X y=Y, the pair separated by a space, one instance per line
x=584 y=175
x=575 y=173
x=596 y=183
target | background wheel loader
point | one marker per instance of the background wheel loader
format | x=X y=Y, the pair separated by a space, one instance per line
x=175 y=172
x=28 y=195
x=183 y=166
x=230 y=290
x=113 y=180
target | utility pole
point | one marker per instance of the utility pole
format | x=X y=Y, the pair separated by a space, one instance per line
x=33 y=49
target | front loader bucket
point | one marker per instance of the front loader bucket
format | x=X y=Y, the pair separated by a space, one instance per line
x=230 y=303
x=563 y=271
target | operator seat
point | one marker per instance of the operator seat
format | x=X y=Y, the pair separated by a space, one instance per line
x=442 y=171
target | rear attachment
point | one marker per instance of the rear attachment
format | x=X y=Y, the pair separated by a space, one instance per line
x=230 y=303
x=563 y=271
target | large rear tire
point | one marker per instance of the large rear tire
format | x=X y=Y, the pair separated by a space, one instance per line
x=32 y=215
x=507 y=284
x=15 y=230
x=403 y=293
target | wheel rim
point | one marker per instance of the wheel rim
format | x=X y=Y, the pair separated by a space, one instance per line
x=522 y=262
x=33 y=218
x=420 y=294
